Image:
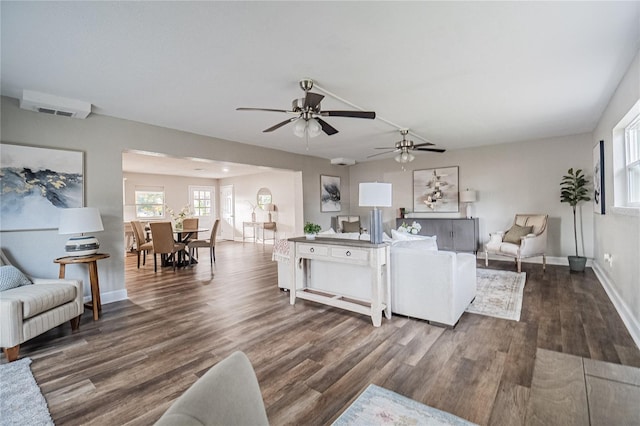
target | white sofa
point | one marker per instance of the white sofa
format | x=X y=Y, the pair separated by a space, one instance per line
x=432 y=285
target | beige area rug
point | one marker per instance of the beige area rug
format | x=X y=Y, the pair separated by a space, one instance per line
x=499 y=294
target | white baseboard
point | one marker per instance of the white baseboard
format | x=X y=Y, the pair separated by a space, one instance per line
x=110 y=297
x=551 y=260
x=632 y=324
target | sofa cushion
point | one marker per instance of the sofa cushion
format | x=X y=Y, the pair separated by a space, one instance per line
x=516 y=232
x=11 y=277
x=40 y=298
x=351 y=226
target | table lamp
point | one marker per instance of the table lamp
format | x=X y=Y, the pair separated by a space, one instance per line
x=375 y=194
x=270 y=208
x=468 y=197
x=79 y=221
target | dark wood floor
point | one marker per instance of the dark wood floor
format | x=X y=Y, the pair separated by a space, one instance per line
x=311 y=360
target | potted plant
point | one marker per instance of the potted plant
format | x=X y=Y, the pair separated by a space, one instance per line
x=573 y=190
x=310 y=230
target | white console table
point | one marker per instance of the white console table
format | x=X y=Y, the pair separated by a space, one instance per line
x=373 y=259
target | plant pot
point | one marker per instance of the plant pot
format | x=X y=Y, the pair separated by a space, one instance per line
x=310 y=236
x=577 y=263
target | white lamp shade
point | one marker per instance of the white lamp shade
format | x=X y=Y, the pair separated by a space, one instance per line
x=80 y=220
x=468 y=196
x=404 y=157
x=313 y=127
x=375 y=194
x=310 y=127
x=299 y=127
x=269 y=207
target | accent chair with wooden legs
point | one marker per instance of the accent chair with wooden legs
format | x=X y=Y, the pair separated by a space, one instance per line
x=210 y=243
x=526 y=238
x=30 y=307
x=164 y=244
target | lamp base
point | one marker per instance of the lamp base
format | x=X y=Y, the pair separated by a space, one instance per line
x=375 y=223
x=82 y=246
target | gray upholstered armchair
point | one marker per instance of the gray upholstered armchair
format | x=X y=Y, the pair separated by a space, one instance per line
x=33 y=307
x=526 y=238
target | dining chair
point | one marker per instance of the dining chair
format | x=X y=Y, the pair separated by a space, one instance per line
x=140 y=244
x=190 y=223
x=164 y=244
x=211 y=243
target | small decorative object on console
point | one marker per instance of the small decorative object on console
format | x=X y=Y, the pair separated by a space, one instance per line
x=311 y=229
x=413 y=229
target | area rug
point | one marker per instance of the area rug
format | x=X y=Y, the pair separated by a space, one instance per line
x=499 y=294
x=21 y=402
x=379 y=406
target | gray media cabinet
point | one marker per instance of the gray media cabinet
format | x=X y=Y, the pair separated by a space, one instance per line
x=458 y=234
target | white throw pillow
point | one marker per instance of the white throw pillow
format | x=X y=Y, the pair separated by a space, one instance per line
x=329 y=231
x=11 y=277
x=404 y=236
x=422 y=244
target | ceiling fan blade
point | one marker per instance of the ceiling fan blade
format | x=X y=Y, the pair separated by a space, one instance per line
x=352 y=114
x=312 y=100
x=326 y=127
x=415 y=145
x=385 y=147
x=430 y=149
x=277 y=126
x=381 y=153
x=264 y=109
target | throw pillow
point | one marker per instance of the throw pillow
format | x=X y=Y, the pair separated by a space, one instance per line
x=351 y=226
x=516 y=232
x=428 y=244
x=404 y=236
x=11 y=277
x=329 y=231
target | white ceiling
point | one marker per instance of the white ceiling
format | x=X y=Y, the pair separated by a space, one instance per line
x=460 y=74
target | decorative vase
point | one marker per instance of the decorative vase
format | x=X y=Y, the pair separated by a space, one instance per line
x=310 y=236
x=577 y=263
x=179 y=226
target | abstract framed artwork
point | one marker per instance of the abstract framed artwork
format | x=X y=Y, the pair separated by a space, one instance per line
x=36 y=183
x=436 y=190
x=598 y=178
x=330 y=194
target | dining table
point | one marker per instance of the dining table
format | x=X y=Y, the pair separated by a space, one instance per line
x=184 y=236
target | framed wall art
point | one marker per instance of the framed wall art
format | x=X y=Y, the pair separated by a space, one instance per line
x=436 y=190
x=330 y=193
x=598 y=178
x=36 y=183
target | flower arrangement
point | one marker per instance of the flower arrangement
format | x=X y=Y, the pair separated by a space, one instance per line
x=413 y=229
x=179 y=218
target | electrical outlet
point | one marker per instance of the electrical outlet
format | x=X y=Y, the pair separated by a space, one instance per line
x=609 y=259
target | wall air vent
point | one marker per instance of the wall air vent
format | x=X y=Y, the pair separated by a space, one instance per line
x=342 y=162
x=54 y=105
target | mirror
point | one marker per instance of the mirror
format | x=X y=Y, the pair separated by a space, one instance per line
x=263 y=197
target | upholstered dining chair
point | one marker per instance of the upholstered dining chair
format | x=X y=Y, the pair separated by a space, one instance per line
x=190 y=223
x=211 y=243
x=140 y=245
x=527 y=237
x=164 y=244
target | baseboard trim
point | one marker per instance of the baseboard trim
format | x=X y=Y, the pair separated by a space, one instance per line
x=551 y=260
x=110 y=297
x=632 y=324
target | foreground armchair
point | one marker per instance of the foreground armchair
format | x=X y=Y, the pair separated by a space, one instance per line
x=526 y=238
x=28 y=310
x=228 y=394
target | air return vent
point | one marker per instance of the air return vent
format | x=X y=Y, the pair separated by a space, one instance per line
x=54 y=105
x=342 y=162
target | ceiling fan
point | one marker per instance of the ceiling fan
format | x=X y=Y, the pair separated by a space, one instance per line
x=307 y=113
x=404 y=148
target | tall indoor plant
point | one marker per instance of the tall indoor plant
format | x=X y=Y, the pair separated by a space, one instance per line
x=573 y=190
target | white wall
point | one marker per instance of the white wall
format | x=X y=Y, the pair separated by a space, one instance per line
x=509 y=178
x=615 y=232
x=282 y=185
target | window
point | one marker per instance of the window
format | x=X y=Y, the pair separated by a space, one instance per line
x=201 y=203
x=632 y=161
x=149 y=203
